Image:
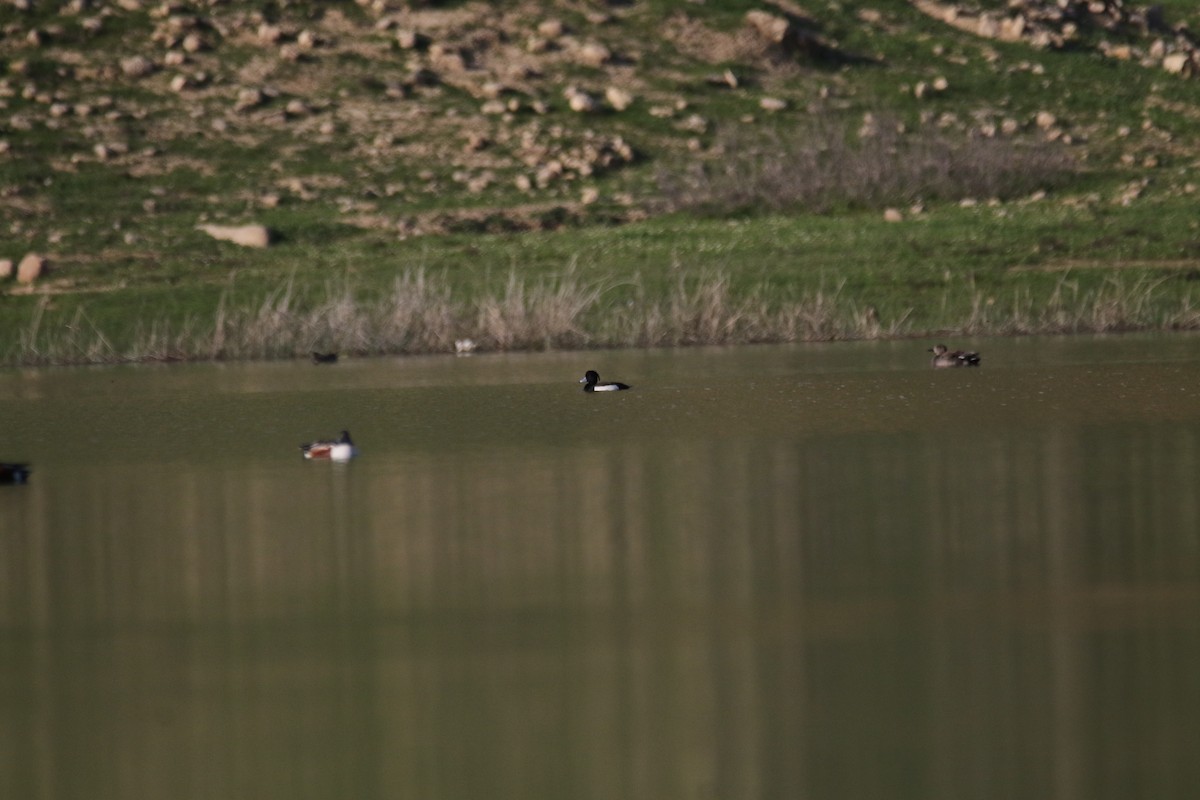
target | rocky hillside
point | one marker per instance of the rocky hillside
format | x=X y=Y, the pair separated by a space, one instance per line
x=126 y=125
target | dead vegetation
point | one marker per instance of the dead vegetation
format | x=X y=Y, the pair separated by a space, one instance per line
x=422 y=314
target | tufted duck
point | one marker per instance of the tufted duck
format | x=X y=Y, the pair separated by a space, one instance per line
x=591 y=383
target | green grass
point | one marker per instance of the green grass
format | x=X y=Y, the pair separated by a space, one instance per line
x=127 y=256
x=931 y=273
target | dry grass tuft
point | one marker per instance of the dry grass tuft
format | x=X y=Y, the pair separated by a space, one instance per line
x=421 y=314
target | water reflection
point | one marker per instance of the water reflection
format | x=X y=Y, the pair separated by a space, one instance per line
x=780 y=601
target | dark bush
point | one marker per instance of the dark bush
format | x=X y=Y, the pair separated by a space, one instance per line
x=820 y=167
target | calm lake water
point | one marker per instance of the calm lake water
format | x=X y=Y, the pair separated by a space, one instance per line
x=782 y=572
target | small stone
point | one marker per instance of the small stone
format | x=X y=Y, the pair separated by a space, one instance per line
x=1176 y=63
x=6 y=268
x=1045 y=120
x=551 y=28
x=31 y=268
x=593 y=54
x=773 y=28
x=580 y=101
x=772 y=104
x=248 y=99
x=589 y=195
x=137 y=66
x=893 y=215
x=618 y=98
x=408 y=39
x=244 y=235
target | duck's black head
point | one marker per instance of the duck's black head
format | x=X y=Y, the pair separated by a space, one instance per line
x=591 y=377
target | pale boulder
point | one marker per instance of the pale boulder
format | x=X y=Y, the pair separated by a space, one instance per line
x=618 y=99
x=1176 y=63
x=31 y=268
x=244 y=235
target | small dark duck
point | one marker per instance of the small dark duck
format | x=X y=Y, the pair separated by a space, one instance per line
x=324 y=358
x=339 y=449
x=13 y=474
x=944 y=357
x=591 y=383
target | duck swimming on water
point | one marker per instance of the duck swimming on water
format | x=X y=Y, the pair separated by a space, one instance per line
x=591 y=383
x=13 y=473
x=339 y=449
x=945 y=357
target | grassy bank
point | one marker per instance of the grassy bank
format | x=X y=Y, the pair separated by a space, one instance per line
x=874 y=172
x=1035 y=267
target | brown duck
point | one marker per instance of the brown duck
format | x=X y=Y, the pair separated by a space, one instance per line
x=945 y=357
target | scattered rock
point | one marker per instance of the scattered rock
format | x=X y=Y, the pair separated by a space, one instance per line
x=31 y=268
x=408 y=39
x=774 y=29
x=244 y=235
x=618 y=98
x=1178 y=64
x=788 y=35
x=593 y=54
x=269 y=34
x=137 y=66
x=1057 y=24
x=551 y=28
x=194 y=43
x=579 y=100
x=772 y=104
x=308 y=40
x=248 y=99
x=6 y=268
x=893 y=215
